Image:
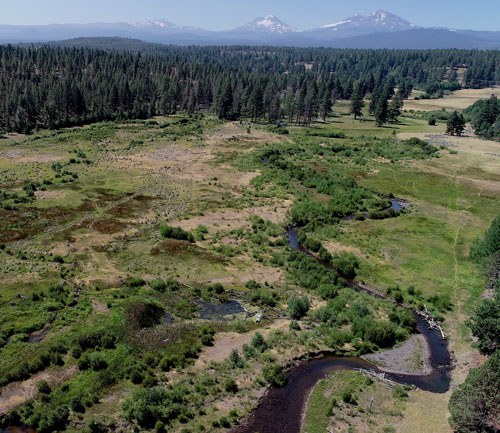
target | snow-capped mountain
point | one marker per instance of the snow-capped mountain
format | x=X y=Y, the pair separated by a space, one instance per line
x=162 y=24
x=267 y=24
x=376 y=22
x=379 y=29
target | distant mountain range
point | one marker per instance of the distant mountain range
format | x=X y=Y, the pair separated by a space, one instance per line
x=379 y=29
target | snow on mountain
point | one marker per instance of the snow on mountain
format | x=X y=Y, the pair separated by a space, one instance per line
x=163 y=24
x=379 y=21
x=268 y=24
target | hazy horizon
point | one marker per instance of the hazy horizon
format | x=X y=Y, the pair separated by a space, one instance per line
x=225 y=14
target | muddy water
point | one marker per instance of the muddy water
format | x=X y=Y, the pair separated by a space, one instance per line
x=280 y=411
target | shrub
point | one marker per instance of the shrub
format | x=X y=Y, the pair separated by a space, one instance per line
x=346 y=265
x=236 y=360
x=258 y=342
x=43 y=387
x=400 y=392
x=348 y=397
x=58 y=259
x=169 y=232
x=158 y=285
x=134 y=282
x=76 y=405
x=273 y=373
x=140 y=314
x=298 y=307
x=224 y=422
x=230 y=386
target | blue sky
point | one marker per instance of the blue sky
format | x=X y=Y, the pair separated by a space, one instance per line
x=225 y=14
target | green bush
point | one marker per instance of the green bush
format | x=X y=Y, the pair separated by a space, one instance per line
x=230 y=386
x=259 y=343
x=298 y=307
x=169 y=232
x=236 y=360
x=273 y=373
x=43 y=387
x=158 y=285
x=346 y=265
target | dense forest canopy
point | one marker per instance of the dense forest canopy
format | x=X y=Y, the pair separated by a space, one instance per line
x=484 y=116
x=44 y=87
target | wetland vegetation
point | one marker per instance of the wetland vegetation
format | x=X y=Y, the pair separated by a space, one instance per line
x=149 y=279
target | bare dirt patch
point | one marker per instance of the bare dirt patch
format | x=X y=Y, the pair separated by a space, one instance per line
x=225 y=342
x=23 y=157
x=15 y=394
x=234 y=132
x=50 y=195
x=334 y=247
x=233 y=219
x=99 y=307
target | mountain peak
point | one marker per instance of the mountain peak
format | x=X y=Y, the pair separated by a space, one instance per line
x=158 y=23
x=268 y=23
x=377 y=21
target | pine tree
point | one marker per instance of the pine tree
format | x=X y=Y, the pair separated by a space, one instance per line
x=357 y=102
x=455 y=124
x=394 y=109
x=381 y=109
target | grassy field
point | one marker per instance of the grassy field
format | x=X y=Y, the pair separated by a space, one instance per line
x=458 y=100
x=82 y=259
x=350 y=401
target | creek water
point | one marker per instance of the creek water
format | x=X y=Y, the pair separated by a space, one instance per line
x=281 y=409
x=216 y=311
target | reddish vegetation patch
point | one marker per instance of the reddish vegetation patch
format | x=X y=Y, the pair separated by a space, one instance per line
x=104 y=225
x=174 y=247
x=23 y=223
x=131 y=208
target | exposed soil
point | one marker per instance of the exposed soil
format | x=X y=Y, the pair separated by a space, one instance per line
x=50 y=195
x=233 y=219
x=21 y=156
x=15 y=394
x=225 y=342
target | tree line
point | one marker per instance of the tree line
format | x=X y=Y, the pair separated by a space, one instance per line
x=484 y=116
x=50 y=87
x=474 y=405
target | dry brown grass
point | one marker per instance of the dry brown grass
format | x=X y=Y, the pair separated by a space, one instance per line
x=24 y=157
x=459 y=100
x=233 y=219
x=225 y=342
x=425 y=413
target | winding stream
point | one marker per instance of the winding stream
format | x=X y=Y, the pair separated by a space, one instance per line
x=281 y=409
